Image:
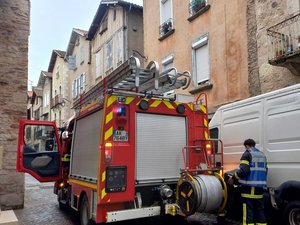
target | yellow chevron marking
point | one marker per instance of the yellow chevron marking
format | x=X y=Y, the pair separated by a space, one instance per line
x=205 y=122
x=111 y=100
x=83 y=183
x=169 y=105
x=191 y=106
x=155 y=103
x=103 y=176
x=109 y=117
x=103 y=193
x=206 y=135
x=203 y=108
x=129 y=100
x=108 y=133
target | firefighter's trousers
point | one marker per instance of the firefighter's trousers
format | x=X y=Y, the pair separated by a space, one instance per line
x=253 y=211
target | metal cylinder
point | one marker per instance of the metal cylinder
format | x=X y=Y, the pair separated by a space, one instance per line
x=201 y=193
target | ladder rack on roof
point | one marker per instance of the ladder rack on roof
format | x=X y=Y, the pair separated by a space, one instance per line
x=130 y=79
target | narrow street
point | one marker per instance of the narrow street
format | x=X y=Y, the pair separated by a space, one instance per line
x=41 y=207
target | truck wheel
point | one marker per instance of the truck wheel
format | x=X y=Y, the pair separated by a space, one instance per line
x=62 y=206
x=84 y=212
x=292 y=213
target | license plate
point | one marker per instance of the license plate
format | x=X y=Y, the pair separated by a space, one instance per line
x=120 y=135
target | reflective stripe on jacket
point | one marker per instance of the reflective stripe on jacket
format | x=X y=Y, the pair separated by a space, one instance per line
x=258 y=170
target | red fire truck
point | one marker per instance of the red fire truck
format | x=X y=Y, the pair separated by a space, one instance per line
x=130 y=151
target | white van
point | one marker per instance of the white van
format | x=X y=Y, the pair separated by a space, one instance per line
x=273 y=121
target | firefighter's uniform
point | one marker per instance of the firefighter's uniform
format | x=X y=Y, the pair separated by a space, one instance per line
x=252 y=176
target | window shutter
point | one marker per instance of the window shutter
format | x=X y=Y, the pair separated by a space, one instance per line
x=202 y=64
x=72 y=62
x=73 y=94
x=83 y=82
x=109 y=55
x=81 y=54
x=166 y=10
x=78 y=86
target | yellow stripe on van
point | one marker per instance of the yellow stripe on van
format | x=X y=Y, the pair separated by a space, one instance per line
x=155 y=103
x=108 y=133
x=169 y=105
x=111 y=100
x=109 y=117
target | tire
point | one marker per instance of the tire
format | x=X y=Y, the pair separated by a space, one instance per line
x=84 y=212
x=292 y=213
x=61 y=205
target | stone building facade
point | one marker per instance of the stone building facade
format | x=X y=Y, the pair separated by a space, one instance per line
x=14 y=32
x=262 y=15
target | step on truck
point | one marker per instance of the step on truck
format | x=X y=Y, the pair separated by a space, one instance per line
x=130 y=151
x=273 y=121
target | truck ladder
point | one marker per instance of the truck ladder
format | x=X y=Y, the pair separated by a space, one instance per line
x=130 y=77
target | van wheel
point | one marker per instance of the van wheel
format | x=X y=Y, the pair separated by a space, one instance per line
x=292 y=213
x=84 y=212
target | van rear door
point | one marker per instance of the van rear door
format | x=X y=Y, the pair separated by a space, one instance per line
x=39 y=150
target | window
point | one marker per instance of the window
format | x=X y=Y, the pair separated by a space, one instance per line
x=74 y=88
x=82 y=83
x=109 y=55
x=99 y=63
x=214 y=134
x=201 y=68
x=196 y=6
x=104 y=25
x=81 y=54
x=166 y=18
x=119 y=48
x=167 y=63
x=72 y=62
x=57 y=72
x=46 y=99
x=165 y=10
x=77 y=86
x=115 y=14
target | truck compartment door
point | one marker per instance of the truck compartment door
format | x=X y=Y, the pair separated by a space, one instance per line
x=39 y=150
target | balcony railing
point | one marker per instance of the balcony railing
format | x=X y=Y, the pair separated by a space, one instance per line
x=58 y=99
x=196 y=6
x=166 y=27
x=284 y=44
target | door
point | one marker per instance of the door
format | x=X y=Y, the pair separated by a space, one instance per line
x=39 y=150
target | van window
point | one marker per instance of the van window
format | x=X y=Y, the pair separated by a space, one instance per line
x=214 y=134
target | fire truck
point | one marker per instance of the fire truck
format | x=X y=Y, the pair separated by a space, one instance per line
x=130 y=151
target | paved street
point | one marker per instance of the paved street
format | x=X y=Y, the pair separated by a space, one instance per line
x=41 y=207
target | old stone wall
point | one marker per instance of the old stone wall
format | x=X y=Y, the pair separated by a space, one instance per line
x=267 y=14
x=14 y=32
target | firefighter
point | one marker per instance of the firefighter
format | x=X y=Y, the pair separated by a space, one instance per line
x=252 y=177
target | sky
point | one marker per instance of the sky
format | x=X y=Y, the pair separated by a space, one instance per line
x=51 y=24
